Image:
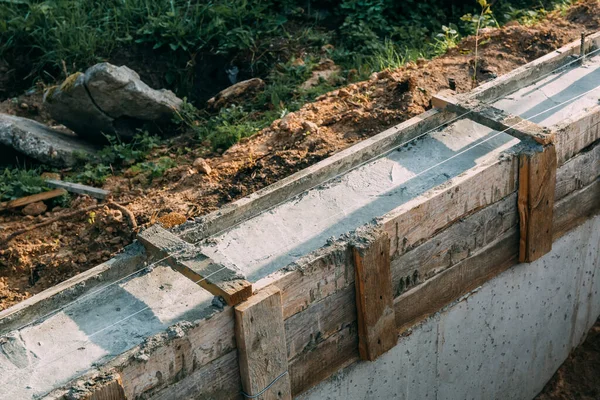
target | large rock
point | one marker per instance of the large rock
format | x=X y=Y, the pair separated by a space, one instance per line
x=107 y=99
x=42 y=143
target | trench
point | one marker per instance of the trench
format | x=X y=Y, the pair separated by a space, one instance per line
x=51 y=352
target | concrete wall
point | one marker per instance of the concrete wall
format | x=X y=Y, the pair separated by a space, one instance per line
x=503 y=341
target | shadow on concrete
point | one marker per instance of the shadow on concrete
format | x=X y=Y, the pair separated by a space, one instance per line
x=396 y=196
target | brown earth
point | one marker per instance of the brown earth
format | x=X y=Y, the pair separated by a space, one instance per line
x=579 y=376
x=43 y=257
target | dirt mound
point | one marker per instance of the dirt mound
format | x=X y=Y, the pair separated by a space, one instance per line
x=578 y=377
x=33 y=262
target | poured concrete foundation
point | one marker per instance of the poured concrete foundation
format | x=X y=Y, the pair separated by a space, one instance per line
x=34 y=359
x=449 y=197
x=282 y=235
x=503 y=341
x=564 y=94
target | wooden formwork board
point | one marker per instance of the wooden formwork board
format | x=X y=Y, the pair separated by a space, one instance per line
x=578 y=172
x=319 y=296
x=341 y=162
x=532 y=71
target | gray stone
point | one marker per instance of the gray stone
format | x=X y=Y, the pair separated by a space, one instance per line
x=71 y=105
x=108 y=100
x=40 y=142
x=119 y=92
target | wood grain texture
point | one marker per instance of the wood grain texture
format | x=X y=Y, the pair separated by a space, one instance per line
x=317 y=276
x=23 y=201
x=419 y=219
x=452 y=245
x=429 y=297
x=537 y=183
x=187 y=259
x=576 y=208
x=170 y=359
x=324 y=318
x=494 y=118
x=260 y=337
x=109 y=389
x=578 y=172
x=326 y=358
x=374 y=299
x=218 y=380
x=577 y=133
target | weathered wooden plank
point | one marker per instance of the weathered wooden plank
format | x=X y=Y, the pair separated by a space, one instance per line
x=316 y=174
x=23 y=201
x=576 y=133
x=494 y=118
x=324 y=318
x=459 y=241
x=576 y=208
x=110 y=388
x=374 y=299
x=218 y=380
x=537 y=183
x=148 y=369
x=530 y=72
x=444 y=288
x=314 y=278
x=78 y=188
x=417 y=220
x=260 y=337
x=578 y=172
x=326 y=358
x=186 y=259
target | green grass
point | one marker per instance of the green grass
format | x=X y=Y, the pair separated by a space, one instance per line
x=48 y=40
x=19 y=182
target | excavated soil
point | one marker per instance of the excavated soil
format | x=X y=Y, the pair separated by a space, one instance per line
x=579 y=376
x=47 y=255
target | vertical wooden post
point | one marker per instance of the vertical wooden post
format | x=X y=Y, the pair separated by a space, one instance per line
x=262 y=349
x=537 y=181
x=111 y=388
x=374 y=300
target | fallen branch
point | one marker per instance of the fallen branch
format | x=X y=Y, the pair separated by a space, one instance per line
x=120 y=207
x=125 y=211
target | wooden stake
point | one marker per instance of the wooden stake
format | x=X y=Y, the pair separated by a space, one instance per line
x=374 y=300
x=582 y=47
x=111 y=389
x=262 y=350
x=537 y=181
